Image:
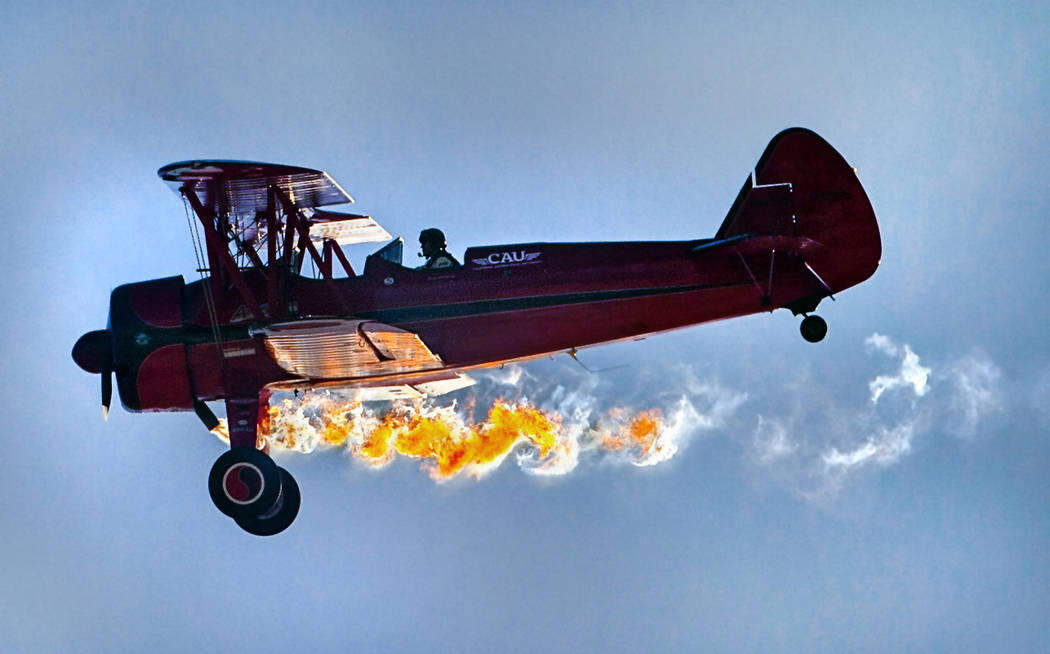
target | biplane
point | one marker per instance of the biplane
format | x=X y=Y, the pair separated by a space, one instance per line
x=279 y=305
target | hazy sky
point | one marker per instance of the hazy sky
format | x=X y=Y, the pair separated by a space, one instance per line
x=885 y=490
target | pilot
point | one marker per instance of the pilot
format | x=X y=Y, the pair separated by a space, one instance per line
x=432 y=243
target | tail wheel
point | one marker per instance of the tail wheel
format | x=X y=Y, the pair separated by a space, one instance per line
x=813 y=329
x=244 y=482
x=280 y=515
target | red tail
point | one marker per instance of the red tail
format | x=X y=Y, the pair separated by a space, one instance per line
x=803 y=189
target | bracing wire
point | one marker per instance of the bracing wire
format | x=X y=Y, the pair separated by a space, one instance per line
x=200 y=253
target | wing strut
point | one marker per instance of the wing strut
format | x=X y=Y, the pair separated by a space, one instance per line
x=276 y=304
x=299 y=223
x=764 y=294
x=330 y=247
x=217 y=250
x=819 y=279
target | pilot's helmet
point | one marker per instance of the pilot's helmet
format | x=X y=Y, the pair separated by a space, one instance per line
x=432 y=236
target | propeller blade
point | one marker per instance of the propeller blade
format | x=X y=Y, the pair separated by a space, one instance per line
x=107 y=392
x=94 y=353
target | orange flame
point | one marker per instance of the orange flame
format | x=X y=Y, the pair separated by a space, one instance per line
x=640 y=432
x=449 y=444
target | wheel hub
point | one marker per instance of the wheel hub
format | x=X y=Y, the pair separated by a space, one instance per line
x=243 y=483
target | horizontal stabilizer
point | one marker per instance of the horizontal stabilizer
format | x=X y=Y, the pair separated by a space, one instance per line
x=749 y=244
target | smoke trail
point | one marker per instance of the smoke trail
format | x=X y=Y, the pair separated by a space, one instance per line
x=824 y=439
x=813 y=437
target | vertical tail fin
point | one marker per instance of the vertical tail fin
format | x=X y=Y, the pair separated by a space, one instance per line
x=802 y=188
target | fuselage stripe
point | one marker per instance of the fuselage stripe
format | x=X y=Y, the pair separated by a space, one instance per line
x=465 y=309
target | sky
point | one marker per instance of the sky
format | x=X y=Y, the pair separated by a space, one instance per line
x=885 y=490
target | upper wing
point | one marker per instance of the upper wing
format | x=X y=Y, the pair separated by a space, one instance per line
x=241 y=187
x=263 y=216
x=236 y=195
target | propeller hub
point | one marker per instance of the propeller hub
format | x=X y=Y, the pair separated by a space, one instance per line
x=94 y=351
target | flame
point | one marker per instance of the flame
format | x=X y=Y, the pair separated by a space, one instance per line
x=450 y=444
x=640 y=432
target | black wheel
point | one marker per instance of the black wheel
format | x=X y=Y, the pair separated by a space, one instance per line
x=244 y=482
x=281 y=515
x=813 y=329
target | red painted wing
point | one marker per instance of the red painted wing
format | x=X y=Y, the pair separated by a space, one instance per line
x=240 y=187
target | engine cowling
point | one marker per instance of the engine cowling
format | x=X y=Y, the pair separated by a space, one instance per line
x=144 y=345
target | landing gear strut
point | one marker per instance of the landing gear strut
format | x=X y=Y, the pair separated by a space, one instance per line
x=249 y=487
x=813 y=328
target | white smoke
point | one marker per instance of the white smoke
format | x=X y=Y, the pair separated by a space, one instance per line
x=820 y=442
x=884 y=448
x=772 y=442
x=911 y=373
x=879 y=435
x=1039 y=395
x=720 y=402
x=975 y=382
x=506 y=375
x=589 y=415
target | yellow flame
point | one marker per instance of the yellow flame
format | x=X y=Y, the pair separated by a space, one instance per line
x=449 y=443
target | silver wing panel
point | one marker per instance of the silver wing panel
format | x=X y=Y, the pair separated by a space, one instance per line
x=322 y=349
x=345 y=229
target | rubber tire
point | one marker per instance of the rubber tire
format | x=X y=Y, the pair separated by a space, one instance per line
x=813 y=329
x=281 y=515
x=271 y=478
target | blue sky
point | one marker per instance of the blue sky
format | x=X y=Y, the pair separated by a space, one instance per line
x=799 y=514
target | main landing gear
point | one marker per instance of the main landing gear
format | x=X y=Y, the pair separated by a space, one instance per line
x=249 y=487
x=813 y=328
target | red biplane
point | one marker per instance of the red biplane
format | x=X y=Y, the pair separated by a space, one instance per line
x=800 y=230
